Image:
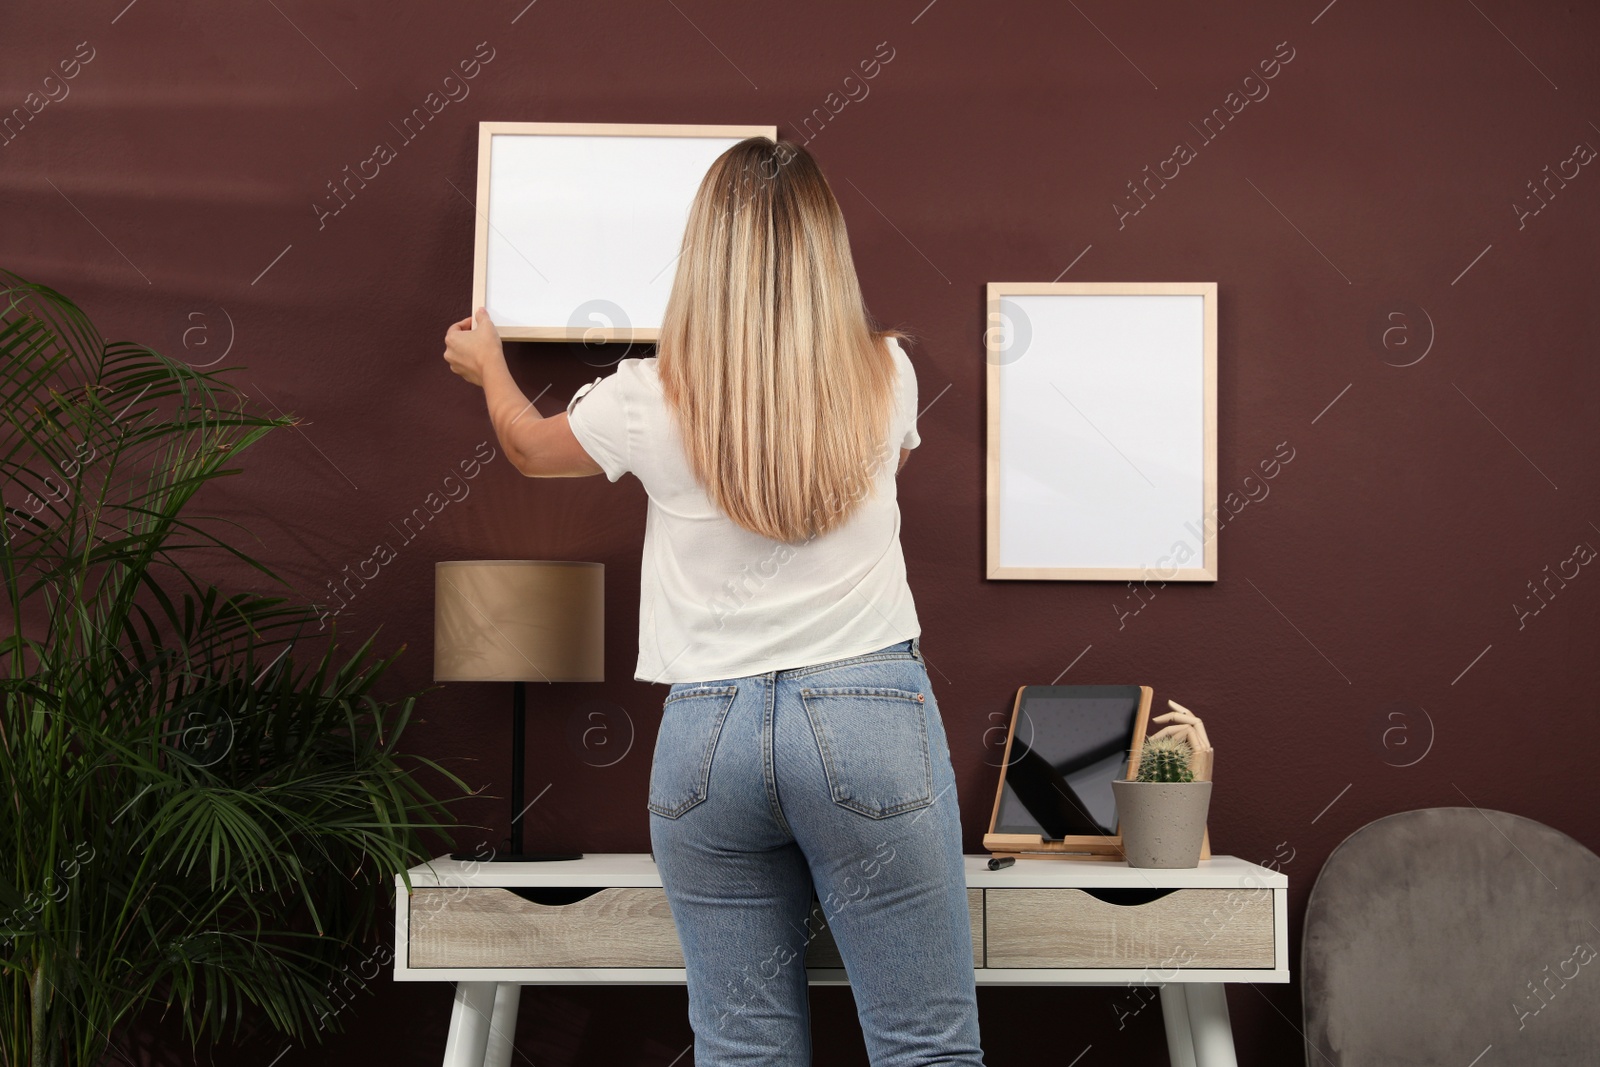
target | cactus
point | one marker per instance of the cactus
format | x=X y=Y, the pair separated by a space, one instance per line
x=1165 y=759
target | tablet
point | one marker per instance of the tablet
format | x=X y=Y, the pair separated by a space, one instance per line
x=1065 y=746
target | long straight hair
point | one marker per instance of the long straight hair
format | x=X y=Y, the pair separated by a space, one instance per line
x=781 y=385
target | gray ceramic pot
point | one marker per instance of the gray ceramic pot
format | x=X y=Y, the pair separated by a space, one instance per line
x=1162 y=823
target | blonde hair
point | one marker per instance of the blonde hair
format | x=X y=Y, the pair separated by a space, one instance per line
x=781 y=385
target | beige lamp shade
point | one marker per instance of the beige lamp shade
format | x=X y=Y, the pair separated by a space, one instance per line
x=518 y=620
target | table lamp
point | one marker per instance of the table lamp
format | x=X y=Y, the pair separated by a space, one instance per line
x=518 y=621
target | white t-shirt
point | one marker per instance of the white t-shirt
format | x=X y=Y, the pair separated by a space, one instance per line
x=717 y=601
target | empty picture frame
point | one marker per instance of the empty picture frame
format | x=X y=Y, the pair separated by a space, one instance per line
x=579 y=225
x=1102 y=430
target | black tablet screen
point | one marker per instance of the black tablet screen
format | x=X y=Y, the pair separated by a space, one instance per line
x=1071 y=743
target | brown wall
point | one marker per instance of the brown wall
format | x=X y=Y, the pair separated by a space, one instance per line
x=1386 y=557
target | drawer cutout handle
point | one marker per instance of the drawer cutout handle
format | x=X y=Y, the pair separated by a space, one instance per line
x=554 y=897
x=1128 y=898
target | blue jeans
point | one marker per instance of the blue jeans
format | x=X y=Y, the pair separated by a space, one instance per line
x=832 y=779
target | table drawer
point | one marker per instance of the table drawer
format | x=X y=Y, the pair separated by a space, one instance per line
x=492 y=927
x=1185 y=928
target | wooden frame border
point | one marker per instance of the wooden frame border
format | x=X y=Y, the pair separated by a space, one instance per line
x=1080 y=846
x=487 y=131
x=1207 y=570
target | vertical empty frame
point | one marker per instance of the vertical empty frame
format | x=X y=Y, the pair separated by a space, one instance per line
x=1102 y=430
x=579 y=225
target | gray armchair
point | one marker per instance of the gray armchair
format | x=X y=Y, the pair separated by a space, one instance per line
x=1453 y=936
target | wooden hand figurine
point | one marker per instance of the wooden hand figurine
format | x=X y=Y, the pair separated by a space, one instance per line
x=1187 y=725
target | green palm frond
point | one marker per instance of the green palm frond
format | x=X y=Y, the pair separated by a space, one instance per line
x=199 y=819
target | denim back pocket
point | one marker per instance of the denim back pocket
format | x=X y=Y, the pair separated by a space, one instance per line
x=874 y=746
x=680 y=772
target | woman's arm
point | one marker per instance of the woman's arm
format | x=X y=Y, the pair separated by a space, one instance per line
x=536 y=446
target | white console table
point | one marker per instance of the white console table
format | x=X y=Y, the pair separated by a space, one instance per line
x=604 y=920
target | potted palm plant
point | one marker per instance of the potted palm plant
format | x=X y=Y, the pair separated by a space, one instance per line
x=1161 y=812
x=196 y=818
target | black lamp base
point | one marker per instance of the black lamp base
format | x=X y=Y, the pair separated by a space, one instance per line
x=519 y=742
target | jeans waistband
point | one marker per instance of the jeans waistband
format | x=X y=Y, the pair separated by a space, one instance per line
x=910 y=648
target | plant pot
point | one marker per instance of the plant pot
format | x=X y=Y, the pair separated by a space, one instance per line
x=1162 y=823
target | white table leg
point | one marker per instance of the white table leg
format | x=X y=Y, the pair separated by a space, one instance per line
x=502 y=1025
x=469 y=1024
x=1208 y=1022
x=1175 y=1015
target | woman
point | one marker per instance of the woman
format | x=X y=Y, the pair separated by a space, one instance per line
x=801 y=749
